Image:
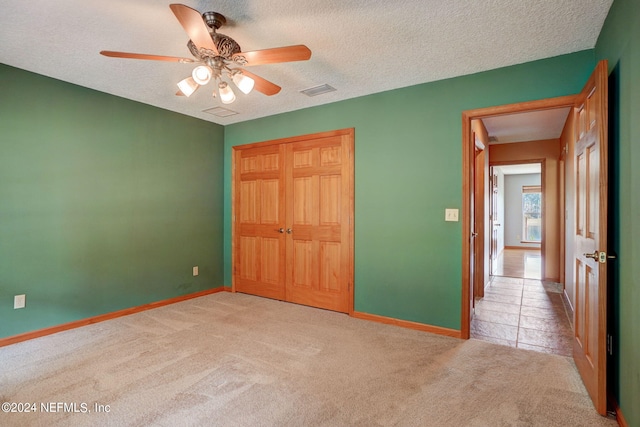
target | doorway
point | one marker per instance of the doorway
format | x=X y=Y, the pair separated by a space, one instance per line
x=517 y=307
x=522 y=303
x=581 y=177
x=516 y=220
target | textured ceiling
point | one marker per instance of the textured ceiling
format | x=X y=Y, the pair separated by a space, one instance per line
x=529 y=126
x=526 y=168
x=359 y=46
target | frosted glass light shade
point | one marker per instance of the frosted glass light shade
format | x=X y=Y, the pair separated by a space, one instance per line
x=226 y=94
x=244 y=83
x=188 y=86
x=202 y=74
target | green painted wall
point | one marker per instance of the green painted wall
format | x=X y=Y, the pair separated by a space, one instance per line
x=105 y=203
x=408 y=260
x=619 y=43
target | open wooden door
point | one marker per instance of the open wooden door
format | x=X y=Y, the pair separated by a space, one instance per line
x=494 y=220
x=472 y=234
x=590 y=315
x=478 y=223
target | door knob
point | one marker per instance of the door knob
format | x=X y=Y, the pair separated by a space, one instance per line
x=594 y=255
x=601 y=257
x=280 y=230
x=289 y=231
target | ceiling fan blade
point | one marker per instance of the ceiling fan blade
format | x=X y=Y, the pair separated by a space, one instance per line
x=263 y=85
x=192 y=22
x=114 y=54
x=272 y=56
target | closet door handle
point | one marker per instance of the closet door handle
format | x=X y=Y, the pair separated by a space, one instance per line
x=289 y=231
x=280 y=230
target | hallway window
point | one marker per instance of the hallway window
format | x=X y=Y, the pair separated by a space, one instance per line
x=531 y=213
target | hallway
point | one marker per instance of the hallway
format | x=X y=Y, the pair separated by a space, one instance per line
x=523 y=312
x=525 y=263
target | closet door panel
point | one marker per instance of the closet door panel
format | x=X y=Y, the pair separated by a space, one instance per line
x=258 y=229
x=293 y=220
x=318 y=206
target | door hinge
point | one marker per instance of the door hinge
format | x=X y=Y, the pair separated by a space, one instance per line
x=610 y=344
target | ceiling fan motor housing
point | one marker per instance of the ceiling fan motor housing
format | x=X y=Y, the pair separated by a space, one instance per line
x=226 y=46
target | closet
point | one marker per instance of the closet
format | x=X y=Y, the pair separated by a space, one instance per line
x=293 y=223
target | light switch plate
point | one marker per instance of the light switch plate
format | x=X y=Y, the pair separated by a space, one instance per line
x=19 y=301
x=195 y=270
x=451 y=215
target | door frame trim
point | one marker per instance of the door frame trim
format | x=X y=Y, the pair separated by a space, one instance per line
x=349 y=132
x=543 y=185
x=468 y=152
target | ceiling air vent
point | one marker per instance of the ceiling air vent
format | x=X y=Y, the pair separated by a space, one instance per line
x=318 y=90
x=220 y=112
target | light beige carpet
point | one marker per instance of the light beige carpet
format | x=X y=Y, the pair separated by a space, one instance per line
x=238 y=360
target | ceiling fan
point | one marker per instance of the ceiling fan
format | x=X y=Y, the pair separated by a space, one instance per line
x=217 y=54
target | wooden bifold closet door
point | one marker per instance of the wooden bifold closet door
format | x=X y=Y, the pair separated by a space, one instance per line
x=293 y=220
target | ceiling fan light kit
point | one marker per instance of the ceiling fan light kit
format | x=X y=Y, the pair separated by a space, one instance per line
x=226 y=94
x=202 y=74
x=244 y=83
x=218 y=54
x=188 y=86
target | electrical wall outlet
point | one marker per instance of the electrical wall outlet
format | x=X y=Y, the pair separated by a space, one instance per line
x=451 y=215
x=195 y=270
x=19 y=301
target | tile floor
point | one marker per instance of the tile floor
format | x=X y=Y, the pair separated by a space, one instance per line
x=524 y=313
